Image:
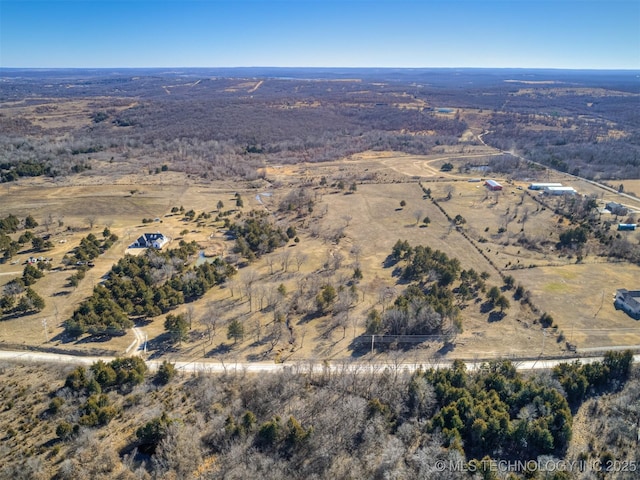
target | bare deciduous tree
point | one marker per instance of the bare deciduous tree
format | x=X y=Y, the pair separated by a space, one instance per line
x=449 y=190
x=248 y=279
x=285 y=258
x=91 y=221
x=210 y=320
x=300 y=258
x=189 y=313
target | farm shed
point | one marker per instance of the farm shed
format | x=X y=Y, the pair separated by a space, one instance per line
x=542 y=186
x=629 y=301
x=627 y=226
x=560 y=191
x=617 y=208
x=493 y=185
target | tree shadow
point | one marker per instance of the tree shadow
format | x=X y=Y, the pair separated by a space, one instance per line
x=143 y=321
x=486 y=307
x=222 y=349
x=359 y=347
x=160 y=345
x=309 y=316
x=446 y=348
x=98 y=338
x=496 y=316
x=389 y=262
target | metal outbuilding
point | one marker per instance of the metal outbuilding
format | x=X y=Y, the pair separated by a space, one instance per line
x=493 y=185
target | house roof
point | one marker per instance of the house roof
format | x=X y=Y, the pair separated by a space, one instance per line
x=630 y=296
x=149 y=238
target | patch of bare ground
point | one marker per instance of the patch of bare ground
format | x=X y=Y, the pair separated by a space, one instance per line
x=55 y=114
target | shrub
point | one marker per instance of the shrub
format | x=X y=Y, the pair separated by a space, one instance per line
x=166 y=372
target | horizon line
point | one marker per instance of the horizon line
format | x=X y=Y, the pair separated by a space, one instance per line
x=319 y=67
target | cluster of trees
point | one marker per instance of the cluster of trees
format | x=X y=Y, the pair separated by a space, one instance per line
x=586 y=223
x=18 y=297
x=120 y=373
x=582 y=380
x=11 y=224
x=91 y=247
x=311 y=422
x=423 y=264
x=428 y=306
x=145 y=286
x=471 y=284
x=10 y=172
x=573 y=237
x=256 y=235
x=98 y=408
x=431 y=303
x=297 y=200
x=496 y=413
x=18 y=300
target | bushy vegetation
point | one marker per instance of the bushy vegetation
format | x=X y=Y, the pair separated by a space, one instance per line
x=300 y=423
x=423 y=264
x=10 y=172
x=498 y=413
x=256 y=235
x=145 y=286
x=91 y=247
x=428 y=306
x=582 y=380
x=12 y=224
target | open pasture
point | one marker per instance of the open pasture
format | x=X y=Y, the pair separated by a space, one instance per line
x=346 y=229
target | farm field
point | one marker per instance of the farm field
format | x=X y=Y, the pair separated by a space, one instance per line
x=376 y=160
x=357 y=227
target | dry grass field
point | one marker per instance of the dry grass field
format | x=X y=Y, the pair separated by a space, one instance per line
x=370 y=220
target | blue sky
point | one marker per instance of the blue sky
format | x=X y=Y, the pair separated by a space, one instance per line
x=600 y=34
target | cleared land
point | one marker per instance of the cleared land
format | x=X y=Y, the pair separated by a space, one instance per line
x=359 y=227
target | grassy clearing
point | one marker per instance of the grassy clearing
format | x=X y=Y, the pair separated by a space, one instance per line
x=370 y=221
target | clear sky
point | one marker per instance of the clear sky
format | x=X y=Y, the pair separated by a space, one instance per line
x=600 y=34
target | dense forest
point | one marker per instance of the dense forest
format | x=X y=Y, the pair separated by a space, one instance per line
x=117 y=420
x=230 y=124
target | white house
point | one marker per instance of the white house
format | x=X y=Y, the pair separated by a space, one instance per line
x=150 y=240
x=629 y=301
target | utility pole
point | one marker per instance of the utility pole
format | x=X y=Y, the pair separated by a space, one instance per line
x=46 y=331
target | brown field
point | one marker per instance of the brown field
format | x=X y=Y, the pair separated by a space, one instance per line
x=371 y=220
x=52 y=113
